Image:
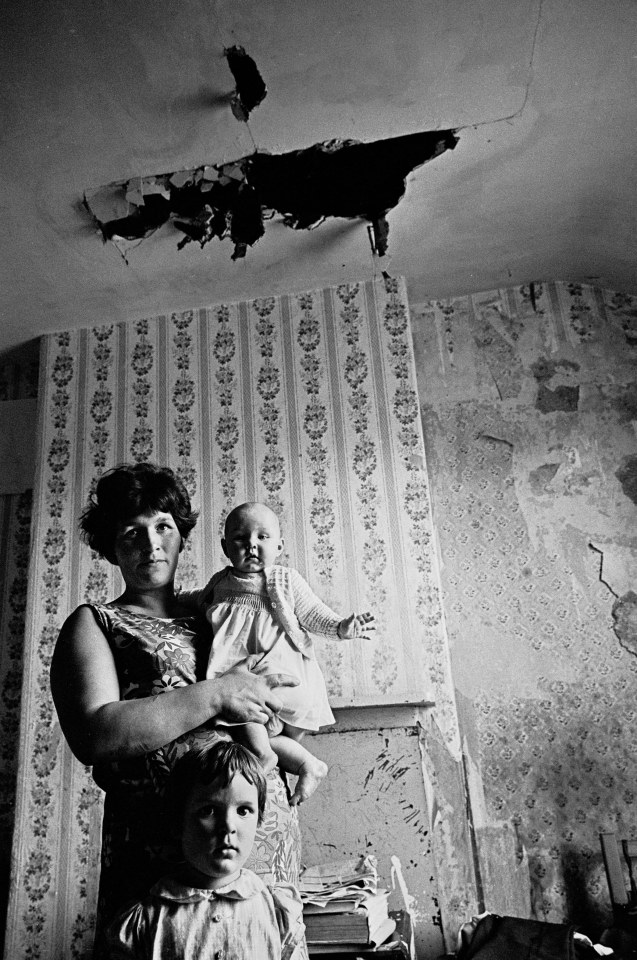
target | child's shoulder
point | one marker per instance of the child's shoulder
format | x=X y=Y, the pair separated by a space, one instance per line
x=283 y=574
x=250 y=878
x=284 y=894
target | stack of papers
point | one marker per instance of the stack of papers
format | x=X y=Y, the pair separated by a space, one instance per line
x=343 y=905
x=339 y=878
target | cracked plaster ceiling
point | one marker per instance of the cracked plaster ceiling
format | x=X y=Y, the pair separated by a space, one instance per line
x=541 y=184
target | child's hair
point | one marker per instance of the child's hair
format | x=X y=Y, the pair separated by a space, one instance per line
x=216 y=763
x=128 y=491
x=247 y=507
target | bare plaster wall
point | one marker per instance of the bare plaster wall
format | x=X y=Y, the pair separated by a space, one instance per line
x=528 y=399
x=374 y=802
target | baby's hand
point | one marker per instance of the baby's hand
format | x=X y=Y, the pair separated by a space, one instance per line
x=358 y=625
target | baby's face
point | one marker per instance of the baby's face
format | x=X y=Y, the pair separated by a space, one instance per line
x=252 y=538
x=218 y=831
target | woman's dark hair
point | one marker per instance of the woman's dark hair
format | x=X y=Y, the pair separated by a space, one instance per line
x=128 y=491
x=216 y=763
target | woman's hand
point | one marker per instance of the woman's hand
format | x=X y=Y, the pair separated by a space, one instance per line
x=99 y=727
x=245 y=697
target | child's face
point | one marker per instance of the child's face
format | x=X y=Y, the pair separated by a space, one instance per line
x=218 y=830
x=252 y=538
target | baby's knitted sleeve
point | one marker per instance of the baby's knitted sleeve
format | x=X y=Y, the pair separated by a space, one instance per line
x=313 y=615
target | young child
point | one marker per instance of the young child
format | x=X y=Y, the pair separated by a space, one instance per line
x=209 y=906
x=263 y=615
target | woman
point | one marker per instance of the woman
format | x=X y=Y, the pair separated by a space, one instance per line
x=112 y=660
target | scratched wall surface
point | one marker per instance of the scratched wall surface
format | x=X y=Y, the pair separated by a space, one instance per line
x=373 y=801
x=529 y=404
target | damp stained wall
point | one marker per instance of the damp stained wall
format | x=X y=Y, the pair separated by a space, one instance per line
x=529 y=402
x=529 y=407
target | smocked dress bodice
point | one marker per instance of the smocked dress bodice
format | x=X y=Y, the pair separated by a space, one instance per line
x=247 y=629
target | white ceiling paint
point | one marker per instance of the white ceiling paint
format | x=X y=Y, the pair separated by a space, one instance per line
x=93 y=92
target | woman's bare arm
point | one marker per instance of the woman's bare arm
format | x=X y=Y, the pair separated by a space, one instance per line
x=99 y=726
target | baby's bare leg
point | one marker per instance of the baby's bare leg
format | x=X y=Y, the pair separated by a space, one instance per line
x=297 y=759
x=255 y=737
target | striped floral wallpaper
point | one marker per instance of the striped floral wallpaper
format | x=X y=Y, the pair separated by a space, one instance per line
x=307 y=402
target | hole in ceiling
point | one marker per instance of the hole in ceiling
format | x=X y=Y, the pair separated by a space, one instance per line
x=337 y=178
x=250 y=87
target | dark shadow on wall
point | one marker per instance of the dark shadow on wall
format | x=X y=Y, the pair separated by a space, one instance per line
x=18 y=381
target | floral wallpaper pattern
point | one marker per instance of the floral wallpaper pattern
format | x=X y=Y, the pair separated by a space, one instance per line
x=307 y=402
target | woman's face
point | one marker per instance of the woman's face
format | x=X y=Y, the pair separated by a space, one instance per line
x=146 y=550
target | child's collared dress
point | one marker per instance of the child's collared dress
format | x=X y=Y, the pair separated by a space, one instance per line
x=243 y=920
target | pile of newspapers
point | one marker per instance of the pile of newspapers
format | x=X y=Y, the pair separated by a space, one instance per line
x=343 y=906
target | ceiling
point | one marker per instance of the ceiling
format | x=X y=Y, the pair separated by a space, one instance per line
x=541 y=185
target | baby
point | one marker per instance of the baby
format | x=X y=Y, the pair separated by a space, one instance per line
x=209 y=906
x=262 y=614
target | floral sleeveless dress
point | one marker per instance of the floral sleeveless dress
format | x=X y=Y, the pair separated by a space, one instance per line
x=154 y=656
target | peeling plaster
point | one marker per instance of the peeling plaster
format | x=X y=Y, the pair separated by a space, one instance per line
x=563 y=481
x=455 y=867
x=618 y=565
x=544 y=369
x=625 y=404
x=562 y=398
x=625 y=617
x=627 y=476
x=540 y=478
x=492 y=439
x=495 y=337
x=564 y=478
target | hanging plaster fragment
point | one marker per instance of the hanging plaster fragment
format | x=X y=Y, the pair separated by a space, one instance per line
x=378 y=231
x=250 y=87
x=625 y=616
